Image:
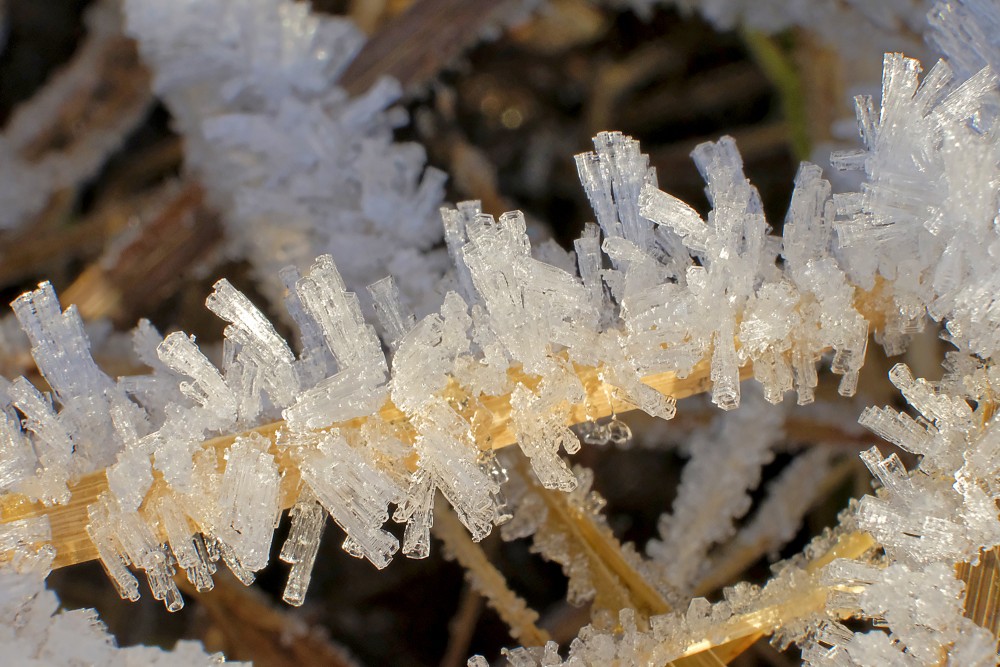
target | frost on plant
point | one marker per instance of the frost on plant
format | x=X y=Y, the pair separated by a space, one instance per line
x=300 y=168
x=399 y=422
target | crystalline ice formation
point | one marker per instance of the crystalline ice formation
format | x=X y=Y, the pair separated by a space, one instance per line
x=302 y=545
x=300 y=168
x=947 y=512
x=922 y=606
x=725 y=465
x=346 y=481
x=655 y=289
x=658 y=314
x=679 y=290
x=36 y=632
x=355 y=388
x=923 y=221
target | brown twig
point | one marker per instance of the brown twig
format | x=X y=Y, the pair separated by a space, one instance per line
x=252 y=628
x=414 y=46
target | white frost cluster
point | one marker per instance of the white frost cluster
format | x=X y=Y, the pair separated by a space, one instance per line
x=653 y=287
x=926 y=520
x=298 y=168
x=29 y=179
x=845 y=24
x=663 y=291
x=36 y=632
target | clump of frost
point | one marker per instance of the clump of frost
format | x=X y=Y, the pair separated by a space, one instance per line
x=28 y=180
x=299 y=168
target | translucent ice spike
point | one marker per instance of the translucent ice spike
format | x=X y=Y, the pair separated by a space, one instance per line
x=942 y=409
x=540 y=437
x=456 y=222
x=26 y=544
x=355 y=493
x=53 y=443
x=889 y=470
x=898 y=428
x=187 y=545
x=241 y=572
x=362 y=370
x=302 y=545
x=111 y=554
x=58 y=343
x=259 y=343
x=17 y=458
x=806 y=234
x=248 y=501
x=725 y=371
x=144 y=550
x=340 y=397
x=424 y=358
x=130 y=478
x=447 y=453
x=613 y=176
x=207 y=388
x=589 y=258
x=671 y=212
x=720 y=164
x=850 y=357
x=352 y=341
x=396 y=319
x=417 y=510
x=315 y=360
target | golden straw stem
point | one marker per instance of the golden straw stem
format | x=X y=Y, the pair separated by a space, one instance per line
x=69 y=521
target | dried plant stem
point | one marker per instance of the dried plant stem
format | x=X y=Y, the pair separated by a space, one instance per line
x=251 y=627
x=737 y=559
x=417 y=44
x=487 y=580
x=617 y=583
x=462 y=627
x=982 y=590
x=747 y=628
x=69 y=521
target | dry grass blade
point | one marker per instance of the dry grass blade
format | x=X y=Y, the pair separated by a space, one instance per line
x=462 y=628
x=487 y=580
x=246 y=626
x=982 y=590
x=616 y=582
x=732 y=637
x=135 y=278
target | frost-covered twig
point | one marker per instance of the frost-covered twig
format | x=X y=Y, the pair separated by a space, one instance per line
x=64 y=134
